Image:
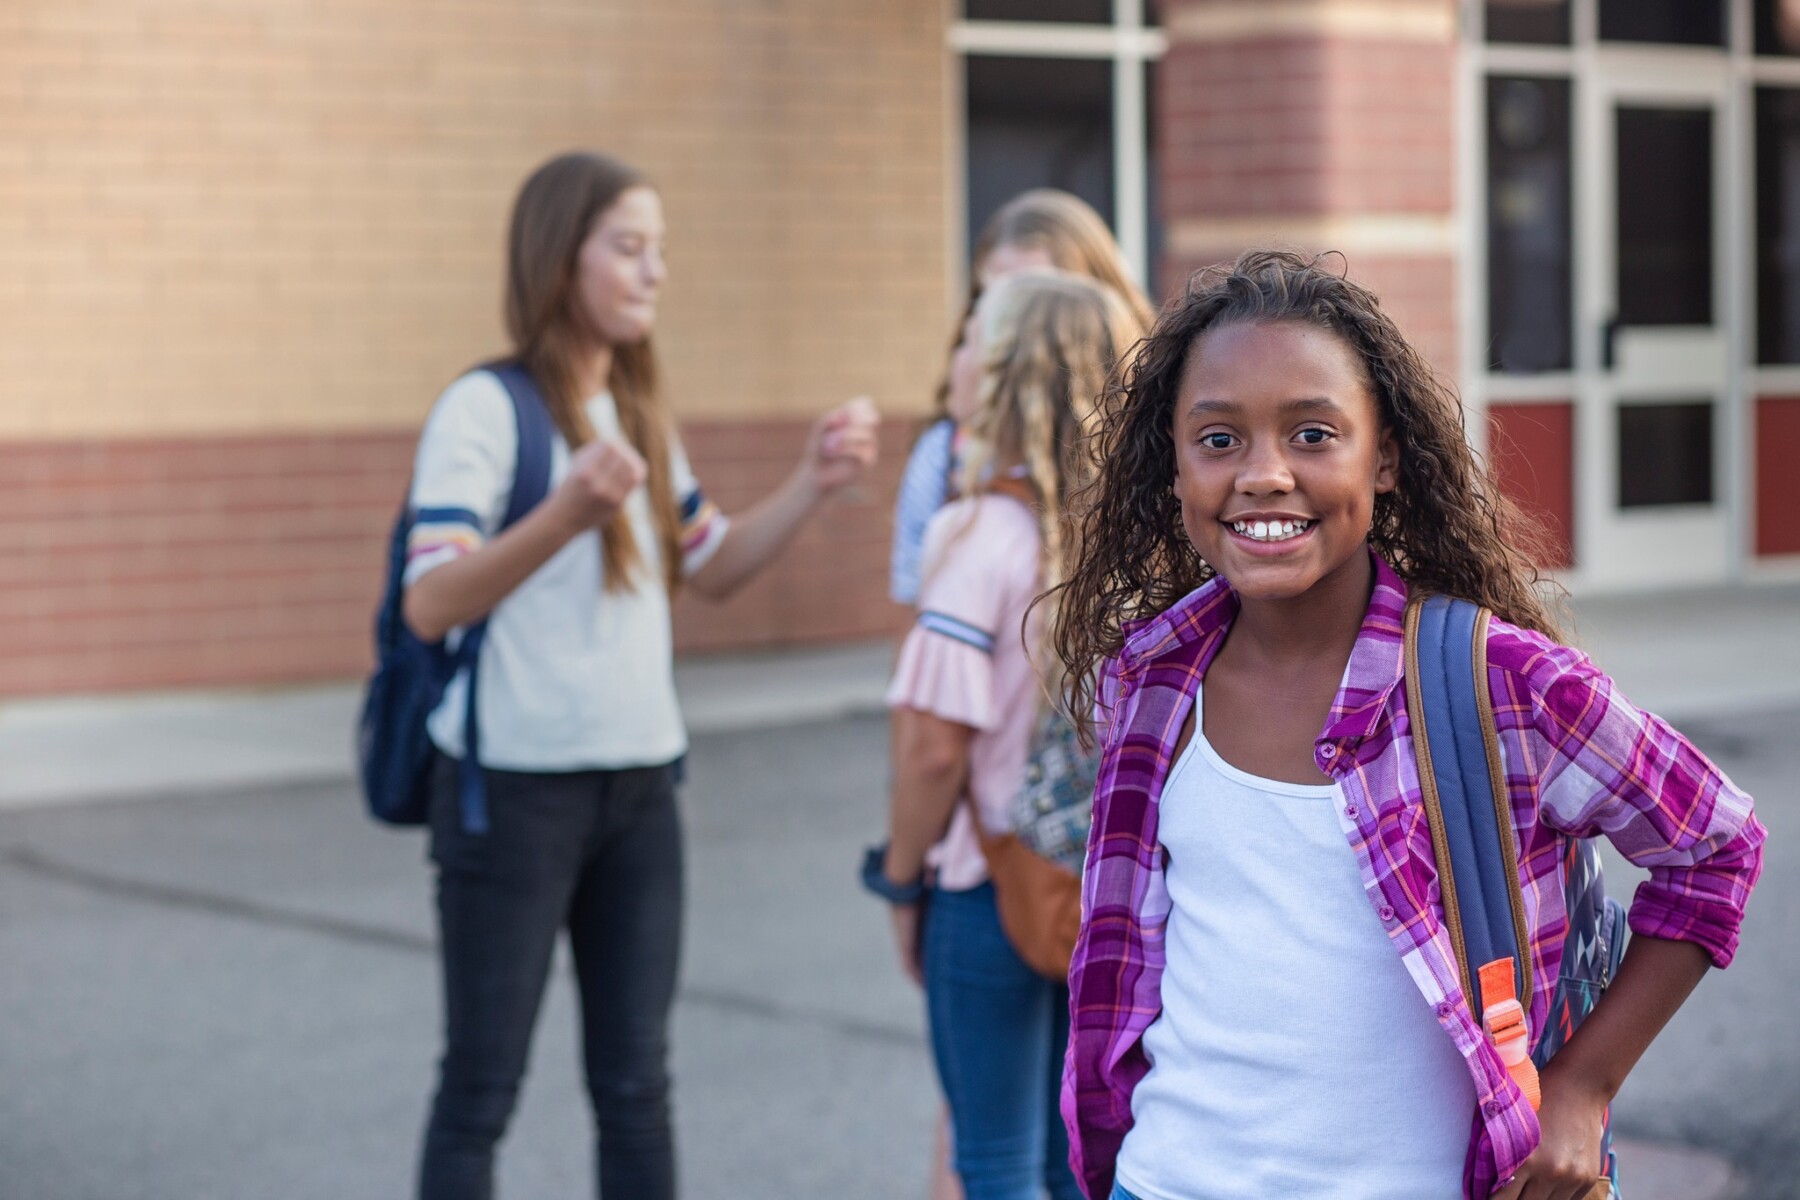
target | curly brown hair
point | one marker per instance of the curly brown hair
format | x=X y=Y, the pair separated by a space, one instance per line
x=1445 y=528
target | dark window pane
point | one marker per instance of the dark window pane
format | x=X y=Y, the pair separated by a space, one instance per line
x=1530 y=284
x=1777 y=225
x=1665 y=229
x=1671 y=22
x=1037 y=122
x=1093 y=12
x=1665 y=454
x=1537 y=22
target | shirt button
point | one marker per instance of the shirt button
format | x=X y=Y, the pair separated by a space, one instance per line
x=1351 y=811
x=1493 y=1108
x=1386 y=912
x=1328 y=750
x=1445 y=1010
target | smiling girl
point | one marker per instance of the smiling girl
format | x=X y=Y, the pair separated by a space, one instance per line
x=1265 y=995
x=581 y=734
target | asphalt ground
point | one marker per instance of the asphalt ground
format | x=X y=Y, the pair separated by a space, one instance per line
x=233 y=995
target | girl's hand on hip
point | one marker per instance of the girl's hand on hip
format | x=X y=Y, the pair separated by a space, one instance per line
x=842 y=444
x=601 y=475
x=1566 y=1165
x=907 y=919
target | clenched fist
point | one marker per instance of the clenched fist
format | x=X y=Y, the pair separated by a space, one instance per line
x=601 y=475
x=842 y=444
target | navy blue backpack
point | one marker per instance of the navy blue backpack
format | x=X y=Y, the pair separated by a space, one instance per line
x=1471 y=830
x=394 y=752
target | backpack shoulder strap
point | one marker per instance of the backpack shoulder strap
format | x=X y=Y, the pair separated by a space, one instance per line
x=1464 y=785
x=531 y=483
x=531 y=472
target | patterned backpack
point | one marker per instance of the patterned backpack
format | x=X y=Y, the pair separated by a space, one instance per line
x=1054 y=808
x=1466 y=805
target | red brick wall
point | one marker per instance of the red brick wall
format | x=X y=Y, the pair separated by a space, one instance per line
x=1333 y=136
x=239 y=560
x=1308 y=124
x=1777 y=481
x=131 y=564
x=1531 y=448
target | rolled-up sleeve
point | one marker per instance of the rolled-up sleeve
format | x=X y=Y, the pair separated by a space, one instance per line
x=1613 y=769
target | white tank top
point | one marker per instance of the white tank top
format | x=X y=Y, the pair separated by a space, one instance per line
x=1293 y=1055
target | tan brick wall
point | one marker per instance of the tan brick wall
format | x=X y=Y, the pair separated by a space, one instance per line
x=283 y=215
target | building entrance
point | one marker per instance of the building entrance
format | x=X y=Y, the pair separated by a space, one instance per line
x=1615 y=360
x=1655 y=398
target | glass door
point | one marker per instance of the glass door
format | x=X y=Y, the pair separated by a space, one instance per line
x=1652 y=502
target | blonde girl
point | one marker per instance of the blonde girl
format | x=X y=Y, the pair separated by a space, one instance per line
x=1035 y=353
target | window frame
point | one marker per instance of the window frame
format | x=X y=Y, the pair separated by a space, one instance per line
x=1130 y=45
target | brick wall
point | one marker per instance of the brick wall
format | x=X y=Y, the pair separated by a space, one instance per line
x=284 y=214
x=1319 y=126
x=246 y=244
x=159 y=562
x=153 y=562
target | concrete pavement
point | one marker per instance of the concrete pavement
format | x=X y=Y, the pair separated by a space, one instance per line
x=232 y=995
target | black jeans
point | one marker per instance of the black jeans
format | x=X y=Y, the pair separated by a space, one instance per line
x=600 y=853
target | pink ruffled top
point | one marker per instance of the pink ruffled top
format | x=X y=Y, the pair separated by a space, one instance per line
x=965 y=660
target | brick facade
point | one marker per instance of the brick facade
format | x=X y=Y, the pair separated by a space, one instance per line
x=1320 y=126
x=282 y=215
x=247 y=244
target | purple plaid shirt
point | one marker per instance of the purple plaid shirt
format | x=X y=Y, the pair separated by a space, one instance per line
x=1579 y=760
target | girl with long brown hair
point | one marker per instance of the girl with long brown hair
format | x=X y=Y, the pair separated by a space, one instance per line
x=965 y=697
x=581 y=736
x=1266 y=994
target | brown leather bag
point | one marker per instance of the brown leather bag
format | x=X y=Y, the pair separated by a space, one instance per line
x=1039 y=902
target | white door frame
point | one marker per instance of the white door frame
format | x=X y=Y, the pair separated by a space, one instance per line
x=1616 y=550
x=1649 y=547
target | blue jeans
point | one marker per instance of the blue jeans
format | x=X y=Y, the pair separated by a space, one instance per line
x=1119 y=1193
x=597 y=853
x=998 y=1031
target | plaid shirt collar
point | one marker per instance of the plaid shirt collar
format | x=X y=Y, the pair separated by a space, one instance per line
x=1193 y=630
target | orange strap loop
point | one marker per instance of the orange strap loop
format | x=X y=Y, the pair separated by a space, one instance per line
x=1504 y=1019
